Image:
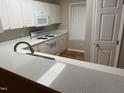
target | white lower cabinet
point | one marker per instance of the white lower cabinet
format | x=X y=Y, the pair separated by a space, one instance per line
x=41 y=48
x=63 y=43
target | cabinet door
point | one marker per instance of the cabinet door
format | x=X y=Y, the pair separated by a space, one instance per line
x=57 y=14
x=14 y=13
x=54 y=14
x=63 y=43
x=42 y=48
x=27 y=13
x=38 y=7
x=4 y=15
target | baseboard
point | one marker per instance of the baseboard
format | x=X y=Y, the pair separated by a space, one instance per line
x=76 y=50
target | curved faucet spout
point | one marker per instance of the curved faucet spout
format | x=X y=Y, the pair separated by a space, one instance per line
x=23 y=42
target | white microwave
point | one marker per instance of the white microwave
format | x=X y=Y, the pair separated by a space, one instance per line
x=41 y=20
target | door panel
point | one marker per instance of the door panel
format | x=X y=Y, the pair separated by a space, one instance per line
x=108 y=16
x=104 y=57
x=109 y=3
x=107 y=27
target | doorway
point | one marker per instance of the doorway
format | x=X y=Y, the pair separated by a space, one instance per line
x=77 y=26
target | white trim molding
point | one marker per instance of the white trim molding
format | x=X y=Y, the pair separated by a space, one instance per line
x=119 y=39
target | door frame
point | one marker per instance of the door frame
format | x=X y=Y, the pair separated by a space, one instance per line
x=70 y=8
x=93 y=35
x=93 y=31
x=120 y=35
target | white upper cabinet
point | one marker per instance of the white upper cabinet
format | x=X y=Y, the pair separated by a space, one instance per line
x=51 y=10
x=21 y=13
x=27 y=13
x=54 y=13
x=14 y=13
x=38 y=7
x=4 y=15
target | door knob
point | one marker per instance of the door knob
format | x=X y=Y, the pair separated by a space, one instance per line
x=97 y=45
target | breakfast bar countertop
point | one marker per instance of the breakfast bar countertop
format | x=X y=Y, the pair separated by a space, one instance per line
x=62 y=74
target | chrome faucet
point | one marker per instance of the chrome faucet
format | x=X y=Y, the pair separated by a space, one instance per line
x=23 y=42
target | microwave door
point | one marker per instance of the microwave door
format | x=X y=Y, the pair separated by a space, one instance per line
x=42 y=21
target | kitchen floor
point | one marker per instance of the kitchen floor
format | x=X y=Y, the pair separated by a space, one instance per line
x=73 y=55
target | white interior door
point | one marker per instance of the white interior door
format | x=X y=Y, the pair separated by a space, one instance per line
x=108 y=16
x=77 y=25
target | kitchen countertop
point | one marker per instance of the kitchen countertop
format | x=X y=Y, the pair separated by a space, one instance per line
x=63 y=74
x=10 y=44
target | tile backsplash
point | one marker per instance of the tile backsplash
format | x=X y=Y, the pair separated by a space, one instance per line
x=18 y=33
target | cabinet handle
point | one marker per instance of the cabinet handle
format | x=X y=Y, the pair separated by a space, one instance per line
x=97 y=45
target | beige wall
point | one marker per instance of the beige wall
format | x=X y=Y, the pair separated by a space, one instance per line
x=65 y=25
